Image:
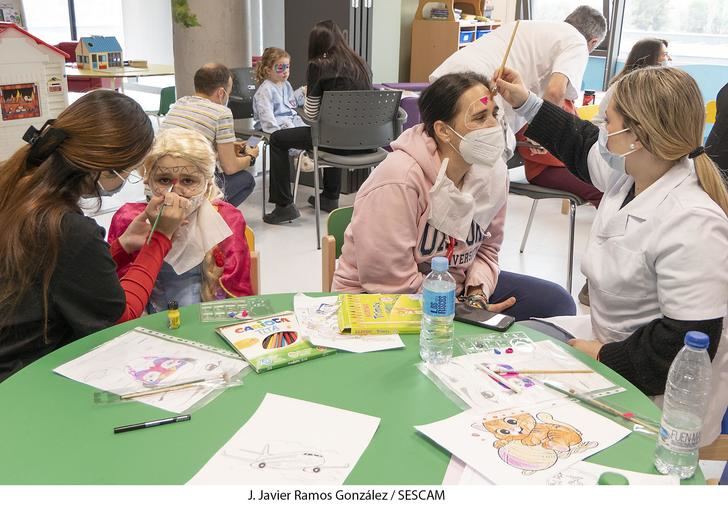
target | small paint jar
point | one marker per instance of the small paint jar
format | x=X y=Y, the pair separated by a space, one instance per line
x=173 y=315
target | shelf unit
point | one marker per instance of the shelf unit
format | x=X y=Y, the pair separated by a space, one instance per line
x=433 y=40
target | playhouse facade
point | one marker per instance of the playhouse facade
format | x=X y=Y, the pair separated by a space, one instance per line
x=33 y=85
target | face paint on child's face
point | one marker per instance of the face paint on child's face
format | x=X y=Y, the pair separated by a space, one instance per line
x=281 y=70
x=184 y=178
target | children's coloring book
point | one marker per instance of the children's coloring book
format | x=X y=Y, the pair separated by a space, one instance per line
x=289 y=441
x=580 y=474
x=318 y=316
x=525 y=445
x=136 y=361
x=271 y=342
x=464 y=376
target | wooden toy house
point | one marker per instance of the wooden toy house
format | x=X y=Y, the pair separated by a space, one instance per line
x=33 y=85
x=98 y=53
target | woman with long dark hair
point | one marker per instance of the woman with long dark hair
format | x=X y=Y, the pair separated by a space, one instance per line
x=332 y=66
x=58 y=277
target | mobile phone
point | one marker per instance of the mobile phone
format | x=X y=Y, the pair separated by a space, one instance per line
x=253 y=141
x=482 y=318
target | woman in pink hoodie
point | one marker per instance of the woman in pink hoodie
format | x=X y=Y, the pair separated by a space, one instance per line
x=442 y=192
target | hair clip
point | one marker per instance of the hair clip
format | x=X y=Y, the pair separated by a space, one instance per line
x=32 y=135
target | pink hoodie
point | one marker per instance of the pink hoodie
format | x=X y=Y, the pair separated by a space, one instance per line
x=388 y=245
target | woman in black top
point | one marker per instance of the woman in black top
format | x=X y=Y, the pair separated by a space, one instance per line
x=332 y=66
x=717 y=145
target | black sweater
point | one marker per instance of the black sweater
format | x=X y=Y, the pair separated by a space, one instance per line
x=717 y=145
x=644 y=358
x=84 y=297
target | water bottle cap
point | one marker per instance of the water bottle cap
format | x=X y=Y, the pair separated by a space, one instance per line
x=439 y=264
x=697 y=339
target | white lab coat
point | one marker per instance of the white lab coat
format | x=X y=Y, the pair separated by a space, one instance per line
x=665 y=254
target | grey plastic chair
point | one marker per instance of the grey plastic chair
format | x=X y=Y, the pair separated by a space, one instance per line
x=353 y=120
x=241 y=104
x=536 y=193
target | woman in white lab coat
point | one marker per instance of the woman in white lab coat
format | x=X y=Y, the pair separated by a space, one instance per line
x=658 y=249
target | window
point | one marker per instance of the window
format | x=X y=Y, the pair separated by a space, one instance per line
x=696 y=30
x=557 y=10
x=48 y=20
x=99 y=17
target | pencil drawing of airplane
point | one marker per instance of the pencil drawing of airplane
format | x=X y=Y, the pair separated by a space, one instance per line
x=307 y=460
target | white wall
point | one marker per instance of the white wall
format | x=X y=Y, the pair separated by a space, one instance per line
x=148 y=31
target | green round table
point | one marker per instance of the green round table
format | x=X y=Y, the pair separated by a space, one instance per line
x=53 y=433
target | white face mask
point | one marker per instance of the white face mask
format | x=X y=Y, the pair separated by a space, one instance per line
x=195 y=203
x=483 y=146
x=483 y=194
x=615 y=160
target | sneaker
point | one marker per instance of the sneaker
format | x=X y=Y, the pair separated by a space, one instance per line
x=282 y=214
x=306 y=164
x=327 y=205
x=584 y=294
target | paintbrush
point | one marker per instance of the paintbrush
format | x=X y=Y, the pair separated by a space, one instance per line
x=508 y=50
x=539 y=372
x=159 y=214
x=106 y=397
x=603 y=406
x=510 y=385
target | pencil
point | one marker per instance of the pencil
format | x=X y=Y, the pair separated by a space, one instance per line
x=508 y=50
x=540 y=372
x=510 y=385
x=159 y=215
x=603 y=406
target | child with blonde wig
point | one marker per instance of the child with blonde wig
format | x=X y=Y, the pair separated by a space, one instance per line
x=209 y=259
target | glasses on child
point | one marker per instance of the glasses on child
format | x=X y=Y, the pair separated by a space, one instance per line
x=280 y=68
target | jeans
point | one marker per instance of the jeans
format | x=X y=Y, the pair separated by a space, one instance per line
x=534 y=297
x=236 y=187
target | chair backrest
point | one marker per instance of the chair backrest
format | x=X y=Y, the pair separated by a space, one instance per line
x=250 y=237
x=166 y=98
x=69 y=48
x=357 y=119
x=339 y=220
x=241 y=95
x=254 y=260
x=587 y=112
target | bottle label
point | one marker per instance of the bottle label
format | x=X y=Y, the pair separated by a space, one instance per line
x=678 y=440
x=438 y=304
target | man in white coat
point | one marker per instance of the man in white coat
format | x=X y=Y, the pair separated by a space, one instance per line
x=550 y=56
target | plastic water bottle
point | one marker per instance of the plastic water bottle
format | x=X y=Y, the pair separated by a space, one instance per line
x=438 y=313
x=686 y=398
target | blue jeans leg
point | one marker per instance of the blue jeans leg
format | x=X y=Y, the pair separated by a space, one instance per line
x=534 y=297
x=236 y=187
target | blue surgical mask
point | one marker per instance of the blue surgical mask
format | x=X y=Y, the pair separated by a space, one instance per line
x=615 y=160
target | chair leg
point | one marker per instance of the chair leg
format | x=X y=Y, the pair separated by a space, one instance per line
x=298 y=175
x=264 y=152
x=316 y=197
x=570 y=267
x=528 y=225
